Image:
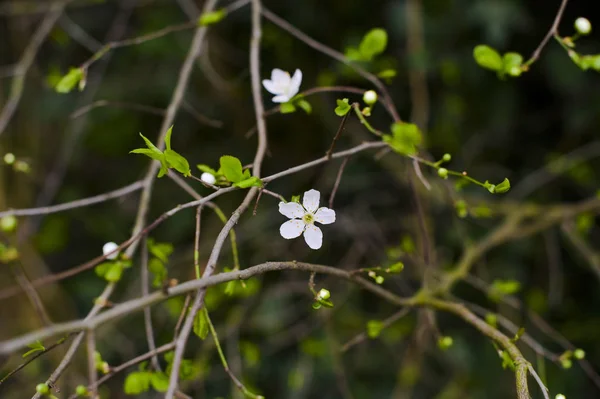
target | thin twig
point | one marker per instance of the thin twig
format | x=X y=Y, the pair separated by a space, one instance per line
x=145 y=280
x=553 y=31
x=22 y=67
x=337 y=135
x=386 y=323
x=77 y=203
x=338 y=179
x=92 y=372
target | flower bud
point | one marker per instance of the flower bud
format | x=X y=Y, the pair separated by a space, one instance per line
x=208 y=178
x=579 y=354
x=81 y=390
x=8 y=223
x=447 y=157
x=566 y=363
x=22 y=166
x=560 y=396
x=370 y=97
x=443 y=173
x=108 y=248
x=583 y=26
x=445 y=342
x=324 y=294
x=42 y=389
x=9 y=158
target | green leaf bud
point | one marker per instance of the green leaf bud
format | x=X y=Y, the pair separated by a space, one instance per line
x=579 y=354
x=8 y=224
x=9 y=158
x=43 y=389
x=447 y=157
x=443 y=173
x=81 y=390
x=445 y=342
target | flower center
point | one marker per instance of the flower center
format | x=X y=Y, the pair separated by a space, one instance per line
x=308 y=218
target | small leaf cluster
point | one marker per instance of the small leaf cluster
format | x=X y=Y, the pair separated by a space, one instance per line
x=157 y=264
x=373 y=43
x=140 y=381
x=297 y=102
x=510 y=64
x=231 y=172
x=405 y=138
x=322 y=299
x=213 y=17
x=168 y=158
x=35 y=347
x=112 y=270
x=75 y=77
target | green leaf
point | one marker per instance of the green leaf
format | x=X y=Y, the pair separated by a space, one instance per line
x=487 y=57
x=35 y=347
x=502 y=187
x=114 y=273
x=343 y=107
x=177 y=162
x=168 y=138
x=500 y=288
x=149 y=153
x=251 y=182
x=213 y=17
x=405 y=138
x=231 y=168
x=387 y=75
x=102 y=268
x=374 y=328
x=207 y=169
x=68 y=82
x=137 y=382
x=230 y=287
x=373 y=43
x=353 y=54
x=151 y=145
x=161 y=250
x=201 y=324
x=305 y=105
x=287 y=108
x=512 y=63
x=159 y=381
x=158 y=269
x=396 y=268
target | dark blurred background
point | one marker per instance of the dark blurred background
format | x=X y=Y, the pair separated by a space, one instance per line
x=279 y=346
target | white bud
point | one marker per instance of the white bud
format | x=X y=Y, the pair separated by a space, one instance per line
x=108 y=248
x=324 y=294
x=583 y=26
x=9 y=158
x=560 y=396
x=208 y=178
x=370 y=97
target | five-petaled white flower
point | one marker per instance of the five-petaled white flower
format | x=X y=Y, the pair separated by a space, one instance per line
x=108 y=248
x=303 y=218
x=282 y=85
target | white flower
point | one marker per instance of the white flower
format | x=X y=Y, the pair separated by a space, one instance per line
x=208 y=178
x=561 y=396
x=108 y=248
x=583 y=26
x=303 y=218
x=282 y=85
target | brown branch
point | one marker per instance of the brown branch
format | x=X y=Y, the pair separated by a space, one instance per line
x=553 y=31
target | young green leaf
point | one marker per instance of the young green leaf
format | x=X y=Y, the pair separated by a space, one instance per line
x=487 y=57
x=405 y=138
x=213 y=17
x=137 y=382
x=343 y=107
x=177 y=162
x=161 y=250
x=374 y=328
x=201 y=323
x=250 y=182
x=158 y=269
x=387 y=74
x=373 y=43
x=114 y=273
x=206 y=169
x=35 y=347
x=69 y=81
x=159 y=381
x=287 y=108
x=305 y=105
x=231 y=167
x=168 y=138
x=512 y=64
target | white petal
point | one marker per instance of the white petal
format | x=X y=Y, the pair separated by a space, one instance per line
x=108 y=248
x=283 y=98
x=271 y=87
x=313 y=236
x=280 y=77
x=311 y=200
x=325 y=215
x=291 y=210
x=295 y=83
x=291 y=229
